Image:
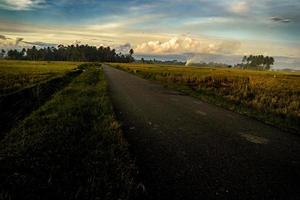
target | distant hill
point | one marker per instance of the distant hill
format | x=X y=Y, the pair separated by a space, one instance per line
x=288 y=70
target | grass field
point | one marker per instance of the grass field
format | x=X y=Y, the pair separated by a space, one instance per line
x=273 y=97
x=70 y=148
x=15 y=75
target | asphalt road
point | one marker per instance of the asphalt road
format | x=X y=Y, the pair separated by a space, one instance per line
x=188 y=149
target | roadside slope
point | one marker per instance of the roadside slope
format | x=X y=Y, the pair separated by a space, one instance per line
x=70 y=148
x=188 y=149
x=17 y=105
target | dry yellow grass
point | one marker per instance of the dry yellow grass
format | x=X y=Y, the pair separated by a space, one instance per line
x=15 y=75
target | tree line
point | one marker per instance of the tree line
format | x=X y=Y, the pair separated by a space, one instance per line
x=259 y=61
x=84 y=53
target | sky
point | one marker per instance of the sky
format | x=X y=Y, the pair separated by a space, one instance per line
x=208 y=30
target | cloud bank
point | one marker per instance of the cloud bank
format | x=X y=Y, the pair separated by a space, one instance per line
x=280 y=19
x=8 y=43
x=21 y=4
x=188 y=45
x=18 y=40
x=3 y=37
x=239 y=7
x=124 y=48
x=43 y=44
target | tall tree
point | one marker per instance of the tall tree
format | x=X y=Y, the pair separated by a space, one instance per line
x=2 y=54
x=244 y=59
x=257 y=62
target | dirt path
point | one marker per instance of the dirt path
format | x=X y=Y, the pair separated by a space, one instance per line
x=188 y=149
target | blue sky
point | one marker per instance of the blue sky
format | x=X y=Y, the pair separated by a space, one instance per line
x=157 y=27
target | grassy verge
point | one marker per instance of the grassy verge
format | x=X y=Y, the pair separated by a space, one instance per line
x=17 y=105
x=271 y=97
x=70 y=148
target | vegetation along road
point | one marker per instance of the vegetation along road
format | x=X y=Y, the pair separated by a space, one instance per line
x=70 y=147
x=188 y=149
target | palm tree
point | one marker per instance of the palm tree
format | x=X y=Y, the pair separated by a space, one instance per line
x=249 y=59
x=244 y=59
x=2 y=53
x=131 y=52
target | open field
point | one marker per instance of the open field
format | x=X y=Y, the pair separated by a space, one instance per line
x=15 y=75
x=70 y=148
x=273 y=97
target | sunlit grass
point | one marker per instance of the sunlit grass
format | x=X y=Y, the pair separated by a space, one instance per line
x=15 y=75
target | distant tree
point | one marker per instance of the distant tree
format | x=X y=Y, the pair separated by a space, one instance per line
x=244 y=59
x=15 y=55
x=257 y=62
x=143 y=60
x=32 y=53
x=2 y=54
x=71 y=53
x=131 y=52
x=130 y=58
x=268 y=62
x=23 y=52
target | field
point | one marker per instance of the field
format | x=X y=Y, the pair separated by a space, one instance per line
x=71 y=147
x=15 y=75
x=24 y=86
x=62 y=140
x=273 y=97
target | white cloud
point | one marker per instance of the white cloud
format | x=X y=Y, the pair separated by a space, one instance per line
x=124 y=48
x=18 y=40
x=239 y=7
x=21 y=4
x=113 y=25
x=11 y=43
x=187 y=45
x=3 y=37
x=141 y=42
x=43 y=44
x=280 y=19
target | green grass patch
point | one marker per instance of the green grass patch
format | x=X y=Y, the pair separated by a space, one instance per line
x=70 y=148
x=272 y=97
x=17 y=105
x=15 y=75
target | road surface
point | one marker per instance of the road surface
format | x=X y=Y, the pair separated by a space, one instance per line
x=188 y=149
